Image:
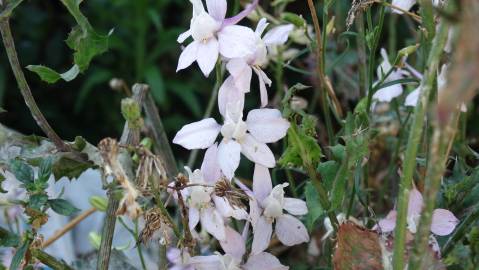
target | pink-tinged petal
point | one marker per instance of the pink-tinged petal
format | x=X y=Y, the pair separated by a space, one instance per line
x=212 y=262
x=278 y=35
x=236 y=41
x=229 y=157
x=254 y=212
x=295 y=207
x=243 y=187
x=188 y=56
x=443 y=222
x=262 y=24
x=290 y=231
x=193 y=217
x=241 y=72
x=217 y=9
x=267 y=125
x=234 y=20
x=207 y=55
x=257 y=152
x=415 y=203
x=183 y=36
x=198 y=135
x=387 y=224
x=262 y=235
x=233 y=244
x=210 y=166
x=411 y=99
x=387 y=94
x=229 y=94
x=213 y=223
x=263 y=81
x=245 y=232
x=198 y=7
x=264 y=261
x=262 y=185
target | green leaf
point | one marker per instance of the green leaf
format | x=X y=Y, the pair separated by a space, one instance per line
x=45 y=170
x=67 y=165
x=22 y=171
x=302 y=148
x=314 y=207
x=62 y=207
x=51 y=76
x=328 y=171
x=37 y=201
x=100 y=203
x=8 y=239
x=95 y=239
x=19 y=255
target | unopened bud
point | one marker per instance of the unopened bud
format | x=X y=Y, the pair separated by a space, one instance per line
x=116 y=84
x=100 y=203
x=295 y=19
x=131 y=111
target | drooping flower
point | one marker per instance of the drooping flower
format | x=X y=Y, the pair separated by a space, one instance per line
x=241 y=68
x=412 y=98
x=267 y=208
x=386 y=94
x=443 y=221
x=249 y=137
x=234 y=248
x=213 y=35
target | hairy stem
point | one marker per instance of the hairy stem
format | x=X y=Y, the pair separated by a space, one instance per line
x=41 y=121
x=412 y=147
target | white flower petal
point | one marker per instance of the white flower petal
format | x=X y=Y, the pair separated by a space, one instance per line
x=295 y=207
x=387 y=224
x=267 y=125
x=217 y=9
x=262 y=24
x=263 y=81
x=198 y=135
x=278 y=35
x=226 y=210
x=183 y=36
x=233 y=244
x=262 y=185
x=188 y=56
x=257 y=152
x=411 y=99
x=290 y=231
x=403 y=4
x=210 y=167
x=264 y=261
x=207 y=55
x=262 y=235
x=241 y=72
x=229 y=94
x=387 y=94
x=236 y=41
x=212 y=262
x=415 y=203
x=229 y=157
x=193 y=217
x=213 y=223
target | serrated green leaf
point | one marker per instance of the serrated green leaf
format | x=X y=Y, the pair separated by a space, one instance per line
x=328 y=171
x=19 y=255
x=37 y=201
x=66 y=165
x=45 y=170
x=301 y=148
x=51 y=76
x=314 y=207
x=22 y=171
x=62 y=207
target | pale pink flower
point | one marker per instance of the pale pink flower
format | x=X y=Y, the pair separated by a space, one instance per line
x=403 y=4
x=249 y=137
x=204 y=206
x=234 y=248
x=213 y=35
x=241 y=68
x=386 y=94
x=267 y=207
x=443 y=221
x=178 y=259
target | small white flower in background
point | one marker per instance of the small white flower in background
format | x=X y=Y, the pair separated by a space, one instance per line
x=213 y=35
x=234 y=247
x=179 y=259
x=443 y=221
x=341 y=219
x=386 y=94
x=412 y=98
x=241 y=68
x=267 y=207
x=403 y=4
x=249 y=137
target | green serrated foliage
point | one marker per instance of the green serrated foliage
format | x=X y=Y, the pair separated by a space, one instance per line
x=37 y=201
x=67 y=165
x=83 y=40
x=302 y=147
x=328 y=171
x=62 y=207
x=45 y=170
x=22 y=171
x=314 y=207
x=19 y=255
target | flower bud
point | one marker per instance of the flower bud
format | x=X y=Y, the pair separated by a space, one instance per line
x=100 y=203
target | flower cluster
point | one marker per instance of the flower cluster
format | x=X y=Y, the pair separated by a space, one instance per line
x=241 y=51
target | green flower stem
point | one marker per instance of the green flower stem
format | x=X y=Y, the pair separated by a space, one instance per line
x=49 y=260
x=413 y=144
x=25 y=88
